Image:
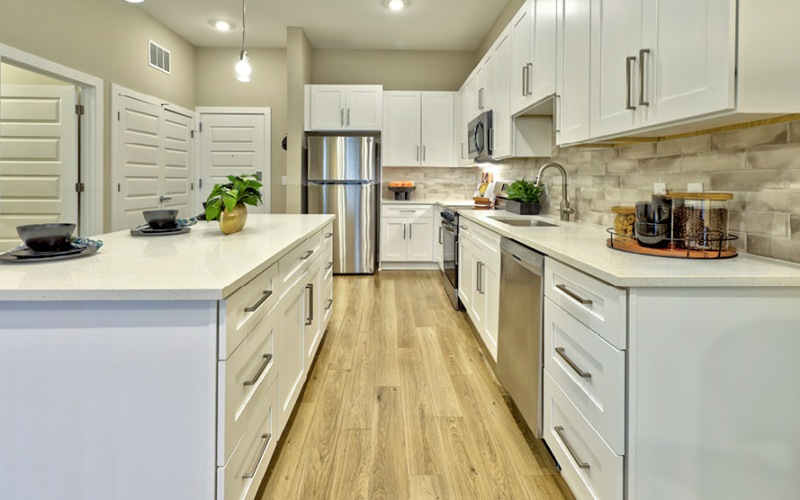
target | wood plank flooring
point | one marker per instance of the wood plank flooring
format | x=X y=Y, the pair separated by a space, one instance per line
x=402 y=404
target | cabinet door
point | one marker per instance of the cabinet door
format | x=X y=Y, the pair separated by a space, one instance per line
x=466 y=274
x=572 y=108
x=327 y=107
x=313 y=312
x=437 y=129
x=690 y=69
x=544 y=49
x=491 y=287
x=616 y=33
x=485 y=76
x=393 y=240
x=521 y=58
x=420 y=241
x=501 y=116
x=401 y=129
x=468 y=112
x=364 y=108
x=290 y=352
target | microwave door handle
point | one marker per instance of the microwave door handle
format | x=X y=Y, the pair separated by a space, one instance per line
x=478 y=138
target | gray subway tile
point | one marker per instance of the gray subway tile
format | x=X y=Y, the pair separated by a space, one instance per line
x=777 y=133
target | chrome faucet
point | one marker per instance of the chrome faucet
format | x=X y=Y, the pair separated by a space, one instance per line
x=565 y=209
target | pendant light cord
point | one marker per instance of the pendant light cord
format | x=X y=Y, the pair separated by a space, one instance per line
x=244 y=20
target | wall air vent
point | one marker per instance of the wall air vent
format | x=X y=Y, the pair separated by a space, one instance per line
x=160 y=58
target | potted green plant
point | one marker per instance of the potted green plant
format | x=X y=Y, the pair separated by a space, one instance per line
x=227 y=202
x=524 y=197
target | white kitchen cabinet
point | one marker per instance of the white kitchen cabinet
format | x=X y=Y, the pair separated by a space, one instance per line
x=407 y=233
x=312 y=330
x=573 y=71
x=468 y=111
x=291 y=354
x=466 y=272
x=418 y=129
x=344 y=107
x=533 y=54
x=500 y=137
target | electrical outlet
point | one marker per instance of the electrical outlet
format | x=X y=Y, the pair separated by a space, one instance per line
x=285 y=180
x=660 y=188
x=695 y=187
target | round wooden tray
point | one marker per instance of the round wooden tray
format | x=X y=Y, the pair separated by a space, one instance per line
x=629 y=244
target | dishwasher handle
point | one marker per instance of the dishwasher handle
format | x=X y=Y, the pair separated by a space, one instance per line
x=528 y=258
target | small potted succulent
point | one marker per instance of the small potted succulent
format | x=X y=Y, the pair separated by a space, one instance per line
x=524 y=197
x=227 y=202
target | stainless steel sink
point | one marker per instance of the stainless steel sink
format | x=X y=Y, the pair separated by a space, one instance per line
x=512 y=221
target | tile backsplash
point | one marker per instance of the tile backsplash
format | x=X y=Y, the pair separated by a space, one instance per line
x=759 y=165
x=433 y=183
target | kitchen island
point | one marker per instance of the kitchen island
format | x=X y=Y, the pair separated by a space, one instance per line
x=161 y=367
x=662 y=378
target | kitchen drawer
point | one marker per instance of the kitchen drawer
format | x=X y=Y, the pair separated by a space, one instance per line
x=246 y=307
x=327 y=268
x=413 y=211
x=327 y=304
x=242 y=475
x=295 y=263
x=327 y=235
x=596 y=304
x=589 y=370
x=243 y=380
x=591 y=469
x=488 y=242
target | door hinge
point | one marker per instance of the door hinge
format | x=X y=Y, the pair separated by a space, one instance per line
x=192 y=134
x=80 y=187
x=201 y=127
x=79 y=109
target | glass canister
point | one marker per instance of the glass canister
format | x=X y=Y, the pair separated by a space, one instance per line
x=624 y=219
x=700 y=220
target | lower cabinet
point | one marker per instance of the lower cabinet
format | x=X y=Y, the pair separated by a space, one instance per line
x=407 y=233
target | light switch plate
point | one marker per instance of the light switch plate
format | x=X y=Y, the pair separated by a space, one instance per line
x=285 y=180
x=660 y=188
x=695 y=187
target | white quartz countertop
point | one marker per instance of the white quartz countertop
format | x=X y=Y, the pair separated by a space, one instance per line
x=203 y=264
x=583 y=246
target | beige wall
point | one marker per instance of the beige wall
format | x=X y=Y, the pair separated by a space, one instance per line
x=394 y=69
x=499 y=25
x=299 y=55
x=104 y=38
x=12 y=75
x=216 y=85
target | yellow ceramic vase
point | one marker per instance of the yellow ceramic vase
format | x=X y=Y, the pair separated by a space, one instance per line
x=233 y=222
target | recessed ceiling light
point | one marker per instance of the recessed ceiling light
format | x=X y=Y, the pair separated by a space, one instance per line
x=396 y=5
x=134 y=1
x=223 y=25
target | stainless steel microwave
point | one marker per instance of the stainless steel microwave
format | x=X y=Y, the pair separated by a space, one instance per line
x=479 y=136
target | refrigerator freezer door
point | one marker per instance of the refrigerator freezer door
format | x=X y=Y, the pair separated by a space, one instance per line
x=354 y=230
x=341 y=158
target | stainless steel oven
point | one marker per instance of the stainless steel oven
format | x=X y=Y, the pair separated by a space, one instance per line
x=448 y=238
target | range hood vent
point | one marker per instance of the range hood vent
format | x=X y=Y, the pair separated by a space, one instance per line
x=160 y=58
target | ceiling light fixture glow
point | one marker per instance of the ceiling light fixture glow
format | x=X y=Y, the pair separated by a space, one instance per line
x=397 y=5
x=243 y=69
x=222 y=25
x=134 y=1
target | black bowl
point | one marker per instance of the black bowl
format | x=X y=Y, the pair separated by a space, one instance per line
x=160 y=219
x=652 y=234
x=46 y=237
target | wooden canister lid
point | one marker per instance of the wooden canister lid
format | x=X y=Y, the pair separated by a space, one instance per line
x=623 y=210
x=678 y=195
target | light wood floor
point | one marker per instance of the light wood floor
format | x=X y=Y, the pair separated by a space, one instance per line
x=401 y=403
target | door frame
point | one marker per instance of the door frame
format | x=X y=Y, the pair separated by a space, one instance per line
x=92 y=207
x=116 y=107
x=232 y=110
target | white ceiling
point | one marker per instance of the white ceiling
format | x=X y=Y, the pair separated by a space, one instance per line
x=333 y=24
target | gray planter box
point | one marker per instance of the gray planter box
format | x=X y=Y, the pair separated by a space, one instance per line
x=520 y=208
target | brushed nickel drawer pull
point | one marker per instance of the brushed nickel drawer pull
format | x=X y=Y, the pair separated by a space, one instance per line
x=307 y=255
x=267 y=438
x=642 y=53
x=310 y=288
x=330 y=265
x=330 y=303
x=560 y=431
x=265 y=295
x=560 y=351
x=563 y=288
x=264 y=365
x=628 y=84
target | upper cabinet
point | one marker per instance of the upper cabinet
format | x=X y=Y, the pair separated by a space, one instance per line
x=344 y=107
x=418 y=129
x=533 y=54
x=572 y=72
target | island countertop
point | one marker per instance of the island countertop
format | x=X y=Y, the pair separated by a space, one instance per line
x=203 y=264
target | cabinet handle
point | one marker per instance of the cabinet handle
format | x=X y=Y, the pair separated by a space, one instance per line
x=307 y=255
x=524 y=80
x=264 y=296
x=328 y=235
x=404 y=230
x=341 y=117
x=560 y=431
x=642 y=53
x=264 y=365
x=267 y=438
x=348 y=117
x=530 y=78
x=329 y=304
x=480 y=99
x=628 y=72
x=440 y=235
x=310 y=288
x=563 y=288
x=417 y=153
x=330 y=265
x=583 y=374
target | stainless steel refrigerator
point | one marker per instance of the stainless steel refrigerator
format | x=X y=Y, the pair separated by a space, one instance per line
x=342 y=180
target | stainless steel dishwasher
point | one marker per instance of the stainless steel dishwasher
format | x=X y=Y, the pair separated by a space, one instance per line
x=519 y=339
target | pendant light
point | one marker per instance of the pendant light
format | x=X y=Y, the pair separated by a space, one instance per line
x=243 y=69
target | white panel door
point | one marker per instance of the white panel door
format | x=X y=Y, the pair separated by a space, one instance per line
x=401 y=129
x=438 y=113
x=38 y=157
x=234 y=143
x=177 y=162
